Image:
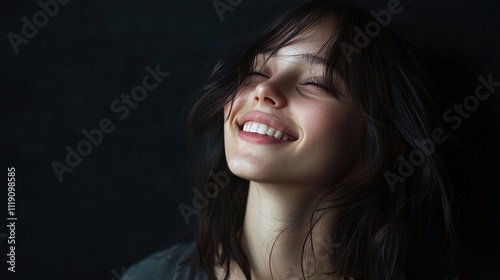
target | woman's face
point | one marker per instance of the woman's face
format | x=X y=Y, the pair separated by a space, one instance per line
x=284 y=127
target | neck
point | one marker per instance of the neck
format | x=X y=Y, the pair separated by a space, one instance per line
x=277 y=220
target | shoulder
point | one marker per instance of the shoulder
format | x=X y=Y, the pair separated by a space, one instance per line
x=174 y=263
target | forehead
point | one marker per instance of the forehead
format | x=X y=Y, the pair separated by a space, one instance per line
x=315 y=40
x=311 y=45
x=293 y=56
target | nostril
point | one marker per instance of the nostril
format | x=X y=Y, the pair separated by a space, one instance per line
x=272 y=101
x=265 y=99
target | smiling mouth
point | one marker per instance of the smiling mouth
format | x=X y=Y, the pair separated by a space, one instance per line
x=267 y=130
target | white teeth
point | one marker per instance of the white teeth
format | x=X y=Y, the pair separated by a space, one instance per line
x=264 y=130
x=254 y=127
x=278 y=134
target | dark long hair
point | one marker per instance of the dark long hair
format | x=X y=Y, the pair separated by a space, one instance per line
x=380 y=211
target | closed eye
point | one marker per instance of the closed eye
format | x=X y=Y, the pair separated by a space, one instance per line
x=251 y=73
x=319 y=85
x=255 y=77
x=316 y=85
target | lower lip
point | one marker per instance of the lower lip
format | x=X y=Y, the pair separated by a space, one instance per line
x=259 y=139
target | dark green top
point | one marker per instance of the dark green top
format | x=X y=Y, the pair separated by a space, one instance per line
x=174 y=263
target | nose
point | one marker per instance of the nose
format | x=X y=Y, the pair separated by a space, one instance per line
x=269 y=93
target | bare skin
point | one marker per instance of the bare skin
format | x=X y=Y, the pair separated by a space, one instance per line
x=286 y=178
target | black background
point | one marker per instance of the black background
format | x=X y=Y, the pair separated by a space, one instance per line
x=121 y=202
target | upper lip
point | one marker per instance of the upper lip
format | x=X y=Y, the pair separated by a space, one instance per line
x=266 y=119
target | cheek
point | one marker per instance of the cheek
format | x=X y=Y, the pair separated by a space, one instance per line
x=329 y=135
x=339 y=128
x=326 y=122
x=227 y=107
x=237 y=104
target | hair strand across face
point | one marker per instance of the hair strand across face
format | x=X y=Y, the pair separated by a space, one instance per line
x=377 y=221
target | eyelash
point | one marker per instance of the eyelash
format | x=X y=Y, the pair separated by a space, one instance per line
x=310 y=82
x=318 y=84
x=256 y=73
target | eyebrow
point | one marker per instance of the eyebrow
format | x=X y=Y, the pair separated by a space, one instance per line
x=304 y=57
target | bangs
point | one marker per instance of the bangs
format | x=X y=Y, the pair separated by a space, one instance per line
x=393 y=94
x=297 y=26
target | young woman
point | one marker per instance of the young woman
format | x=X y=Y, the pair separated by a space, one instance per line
x=322 y=138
